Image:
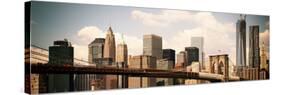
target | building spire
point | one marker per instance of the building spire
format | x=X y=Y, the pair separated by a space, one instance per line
x=122 y=37
x=109 y=45
x=110 y=30
x=242 y=17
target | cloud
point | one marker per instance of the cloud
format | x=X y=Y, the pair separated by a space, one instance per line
x=218 y=36
x=134 y=44
x=87 y=34
x=164 y=18
x=80 y=51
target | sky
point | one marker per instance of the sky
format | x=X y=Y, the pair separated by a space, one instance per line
x=82 y=23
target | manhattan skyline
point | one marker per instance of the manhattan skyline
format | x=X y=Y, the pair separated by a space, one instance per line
x=81 y=24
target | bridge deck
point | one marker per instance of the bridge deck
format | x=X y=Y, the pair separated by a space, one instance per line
x=131 y=72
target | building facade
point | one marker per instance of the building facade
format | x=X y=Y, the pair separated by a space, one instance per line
x=109 y=45
x=95 y=56
x=122 y=62
x=169 y=54
x=180 y=65
x=199 y=43
x=122 y=53
x=82 y=82
x=241 y=42
x=254 y=50
x=192 y=54
x=152 y=46
x=181 y=59
x=250 y=73
x=142 y=62
x=263 y=62
x=95 y=50
x=109 y=59
x=61 y=53
x=164 y=64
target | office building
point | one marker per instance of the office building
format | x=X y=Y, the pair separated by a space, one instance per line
x=122 y=62
x=96 y=50
x=164 y=64
x=169 y=54
x=61 y=53
x=152 y=45
x=199 y=43
x=181 y=59
x=109 y=45
x=241 y=42
x=95 y=56
x=254 y=50
x=142 y=62
x=192 y=54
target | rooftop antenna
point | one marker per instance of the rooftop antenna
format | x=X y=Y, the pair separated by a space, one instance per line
x=242 y=16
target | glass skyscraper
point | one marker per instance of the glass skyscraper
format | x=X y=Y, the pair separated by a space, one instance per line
x=241 y=41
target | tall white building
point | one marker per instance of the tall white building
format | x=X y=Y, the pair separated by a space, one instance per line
x=241 y=41
x=122 y=62
x=199 y=43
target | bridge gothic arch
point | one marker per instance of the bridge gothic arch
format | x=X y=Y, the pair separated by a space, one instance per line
x=219 y=65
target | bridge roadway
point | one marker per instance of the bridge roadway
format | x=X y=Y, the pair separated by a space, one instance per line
x=131 y=72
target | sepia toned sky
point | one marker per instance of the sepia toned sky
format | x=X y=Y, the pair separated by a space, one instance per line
x=82 y=23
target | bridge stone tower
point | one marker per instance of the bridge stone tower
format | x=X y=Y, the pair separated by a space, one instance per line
x=219 y=65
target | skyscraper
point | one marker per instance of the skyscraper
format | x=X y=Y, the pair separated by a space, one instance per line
x=122 y=60
x=199 y=43
x=254 y=50
x=95 y=56
x=192 y=54
x=122 y=53
x=96 y=50
x=109 y=45
x=241 y=41
x=152 y=45
x=60 y=54
x=109 y=59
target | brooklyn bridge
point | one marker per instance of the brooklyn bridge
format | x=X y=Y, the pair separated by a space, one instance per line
x=131 y=72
